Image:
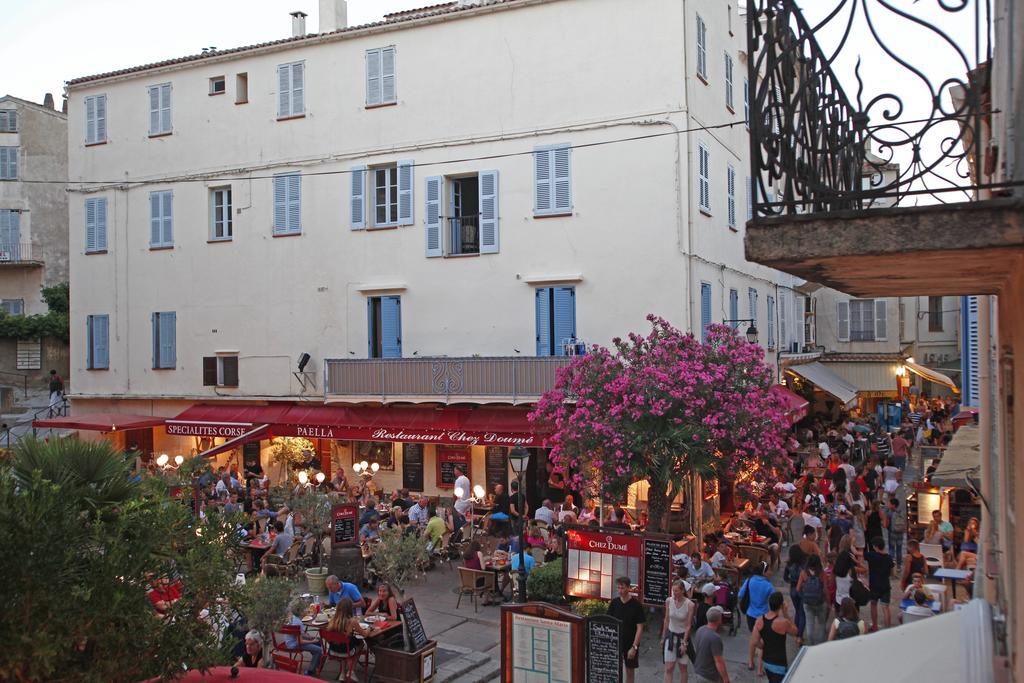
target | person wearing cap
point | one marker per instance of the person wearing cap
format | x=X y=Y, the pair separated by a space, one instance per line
x=675 y=629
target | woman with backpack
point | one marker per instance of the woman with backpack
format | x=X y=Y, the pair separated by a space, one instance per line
x=794 y=567
x=848 y=624
x=810 y=586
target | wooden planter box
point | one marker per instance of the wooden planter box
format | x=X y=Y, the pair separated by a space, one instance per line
x=399 y=666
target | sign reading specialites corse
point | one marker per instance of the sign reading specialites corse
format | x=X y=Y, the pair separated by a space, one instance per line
x=441 y=436
x=192 y=429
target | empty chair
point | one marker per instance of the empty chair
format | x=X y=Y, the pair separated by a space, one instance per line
x=933 y=555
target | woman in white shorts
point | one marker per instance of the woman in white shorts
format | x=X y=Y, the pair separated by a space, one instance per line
x=675 y=629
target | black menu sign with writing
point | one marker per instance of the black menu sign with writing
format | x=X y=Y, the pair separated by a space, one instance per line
x=416 y=635
x=412 y=466
x=496 y=465
x=604 y=655
x=447 y=460
x=657 y=571
x=344 y=523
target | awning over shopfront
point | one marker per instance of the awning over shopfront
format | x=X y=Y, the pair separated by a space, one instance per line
x=254 y=433
x=460 y=426
x=949 y=648
x=100 y=422
x=931 y=375
x=826 y=380
x=961 y=458
x=795 y=405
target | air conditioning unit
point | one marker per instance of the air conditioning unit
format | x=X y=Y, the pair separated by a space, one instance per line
x=5 y=256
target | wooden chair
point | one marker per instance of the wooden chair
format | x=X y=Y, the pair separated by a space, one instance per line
x=474 y=583
x=291 y=558
x=285 y=663
x=754 y=553
x=343 y=642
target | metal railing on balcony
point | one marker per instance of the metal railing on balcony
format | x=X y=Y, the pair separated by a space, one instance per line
x=510 y=380
x=865 y=104
x=15 y=252
x=464 y=235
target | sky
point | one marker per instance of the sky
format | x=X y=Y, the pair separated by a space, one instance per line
x=53 y=41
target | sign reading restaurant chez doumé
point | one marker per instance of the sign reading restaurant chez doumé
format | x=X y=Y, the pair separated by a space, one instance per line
x=359 y=433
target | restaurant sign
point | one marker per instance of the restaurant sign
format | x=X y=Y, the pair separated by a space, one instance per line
x=594 y=559
x=229 y=431
x=419 y=435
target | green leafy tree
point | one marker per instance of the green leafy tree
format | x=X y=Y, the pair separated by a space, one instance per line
x=82 y=547
x=399 y=556
x=315 y=509
x=289 y=452
x=264 y=602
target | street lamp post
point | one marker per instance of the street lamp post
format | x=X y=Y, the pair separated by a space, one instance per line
x=751 y=329
x=519 y=458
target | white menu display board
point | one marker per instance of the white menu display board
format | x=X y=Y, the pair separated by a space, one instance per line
x=541 y=650
x=594 y=559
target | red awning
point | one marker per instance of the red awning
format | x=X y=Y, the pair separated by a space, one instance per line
x=222 y=674
x=462 y=426
x=794 y=405
x=254 y=433
x=100 y=422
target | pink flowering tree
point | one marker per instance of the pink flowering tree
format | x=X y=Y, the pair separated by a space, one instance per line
x=661 y=408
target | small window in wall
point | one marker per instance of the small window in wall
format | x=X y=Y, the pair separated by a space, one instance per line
x=241 y=88
x=165 y=343
x=556 y=320
x=935 y=314
x=220 y=371
x=13 y=306
x=220 y=214
x=30 y=354
x=8 y=120
x=384 y=326
x=97 y=330
x=218 y=85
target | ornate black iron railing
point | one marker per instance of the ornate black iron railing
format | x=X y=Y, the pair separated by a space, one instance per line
x=910 y=131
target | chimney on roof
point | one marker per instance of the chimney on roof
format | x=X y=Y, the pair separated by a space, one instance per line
x=333 y=15
x=64 y=105
x=48 y=100
x=298 y=24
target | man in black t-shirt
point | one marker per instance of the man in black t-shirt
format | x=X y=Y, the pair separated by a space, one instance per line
x=880 y=568
x=630 y=612
x=518 y=508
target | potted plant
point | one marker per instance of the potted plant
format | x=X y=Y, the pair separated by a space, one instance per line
x=315 y=510
x=398 y=557
x=263 y=602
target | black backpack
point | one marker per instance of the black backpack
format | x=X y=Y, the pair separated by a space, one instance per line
x=847 y=629
x=813 y=591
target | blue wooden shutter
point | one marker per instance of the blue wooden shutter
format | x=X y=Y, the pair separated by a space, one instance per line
x=734 y=307
x=90 y=343
x=369 y=326
x=298 y=99
x=358 y=195
x=752 y=303
x=702 y=54
x=731 y=191
x=705 y=309
x=101 y=223
x=154 y=319
x=168 y=340
x=489 y=241
x=284 y=95
x=405 y=177
x=154 y=219
x=99 y=342
x=391 y=326
x=880 y=320
x=565 y=318
x=543 y=315
x=165 y=108
x=294 y=212
x=728 y=80
x=280 y=204
x=388 y=90
x=771 y=322
x=90 y=225
x=542 y=193
x=433 y=217
x=373 y=77
x=561 y=172
x=167 y=200
x=843 y=320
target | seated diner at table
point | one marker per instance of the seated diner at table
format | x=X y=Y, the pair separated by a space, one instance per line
x=250 y=654
x=917 y=584
x=473 y=558
x=163 y=594
x=337 y=590
x=304 y=641
x=370 y=532
x=345 y=623
x=385 y=603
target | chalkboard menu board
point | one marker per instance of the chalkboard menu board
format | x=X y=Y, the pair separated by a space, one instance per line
x=496 y=464
x=416 y=636
x=412 y=466
x=604 y=655
x=251 y=457
x=657 y=571
x=343 y=519
x=447 y=460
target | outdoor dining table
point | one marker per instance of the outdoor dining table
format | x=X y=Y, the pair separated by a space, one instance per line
x=501 y=567
x=256 y=550
x=952 y=576
x=936 y=605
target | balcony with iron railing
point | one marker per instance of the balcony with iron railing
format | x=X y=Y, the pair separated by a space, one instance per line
x=463 y=235
x=871 y=154
x=514 y=380
x=18 y=254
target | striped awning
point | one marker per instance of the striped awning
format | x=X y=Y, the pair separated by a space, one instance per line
x=826 y=380
x=932 y=375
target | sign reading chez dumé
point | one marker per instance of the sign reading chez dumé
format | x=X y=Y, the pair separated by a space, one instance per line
x=441 y=436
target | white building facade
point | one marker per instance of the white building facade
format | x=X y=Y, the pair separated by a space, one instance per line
x=494 y=180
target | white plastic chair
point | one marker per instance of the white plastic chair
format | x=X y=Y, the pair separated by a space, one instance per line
x=932 y=555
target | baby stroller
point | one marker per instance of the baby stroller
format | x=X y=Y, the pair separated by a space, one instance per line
x=725 y=597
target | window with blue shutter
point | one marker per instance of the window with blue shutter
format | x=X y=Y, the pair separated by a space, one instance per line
x=730 y=182
x=291 y=90
x=433 y=217
x=8 y=163
x=95 y=225
x=771 y=322
x=8 y=120
x=552 y=180
x=10 y=235
x=97 y=328
x=702 y=48
x=752 y=304
x=391 y=195
x=357 y=196
x=703 y=177
x=287 y=204
x=705 y=310
x=405 y=177
x=746 y=102
x=488 y=198
x=381 y=87
x=160 y=109
x=384 y=326
x=95 y=119
x=161 y=219
x=555 y=310
x=734 y=308
x=728 y=81
x=165 y=343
